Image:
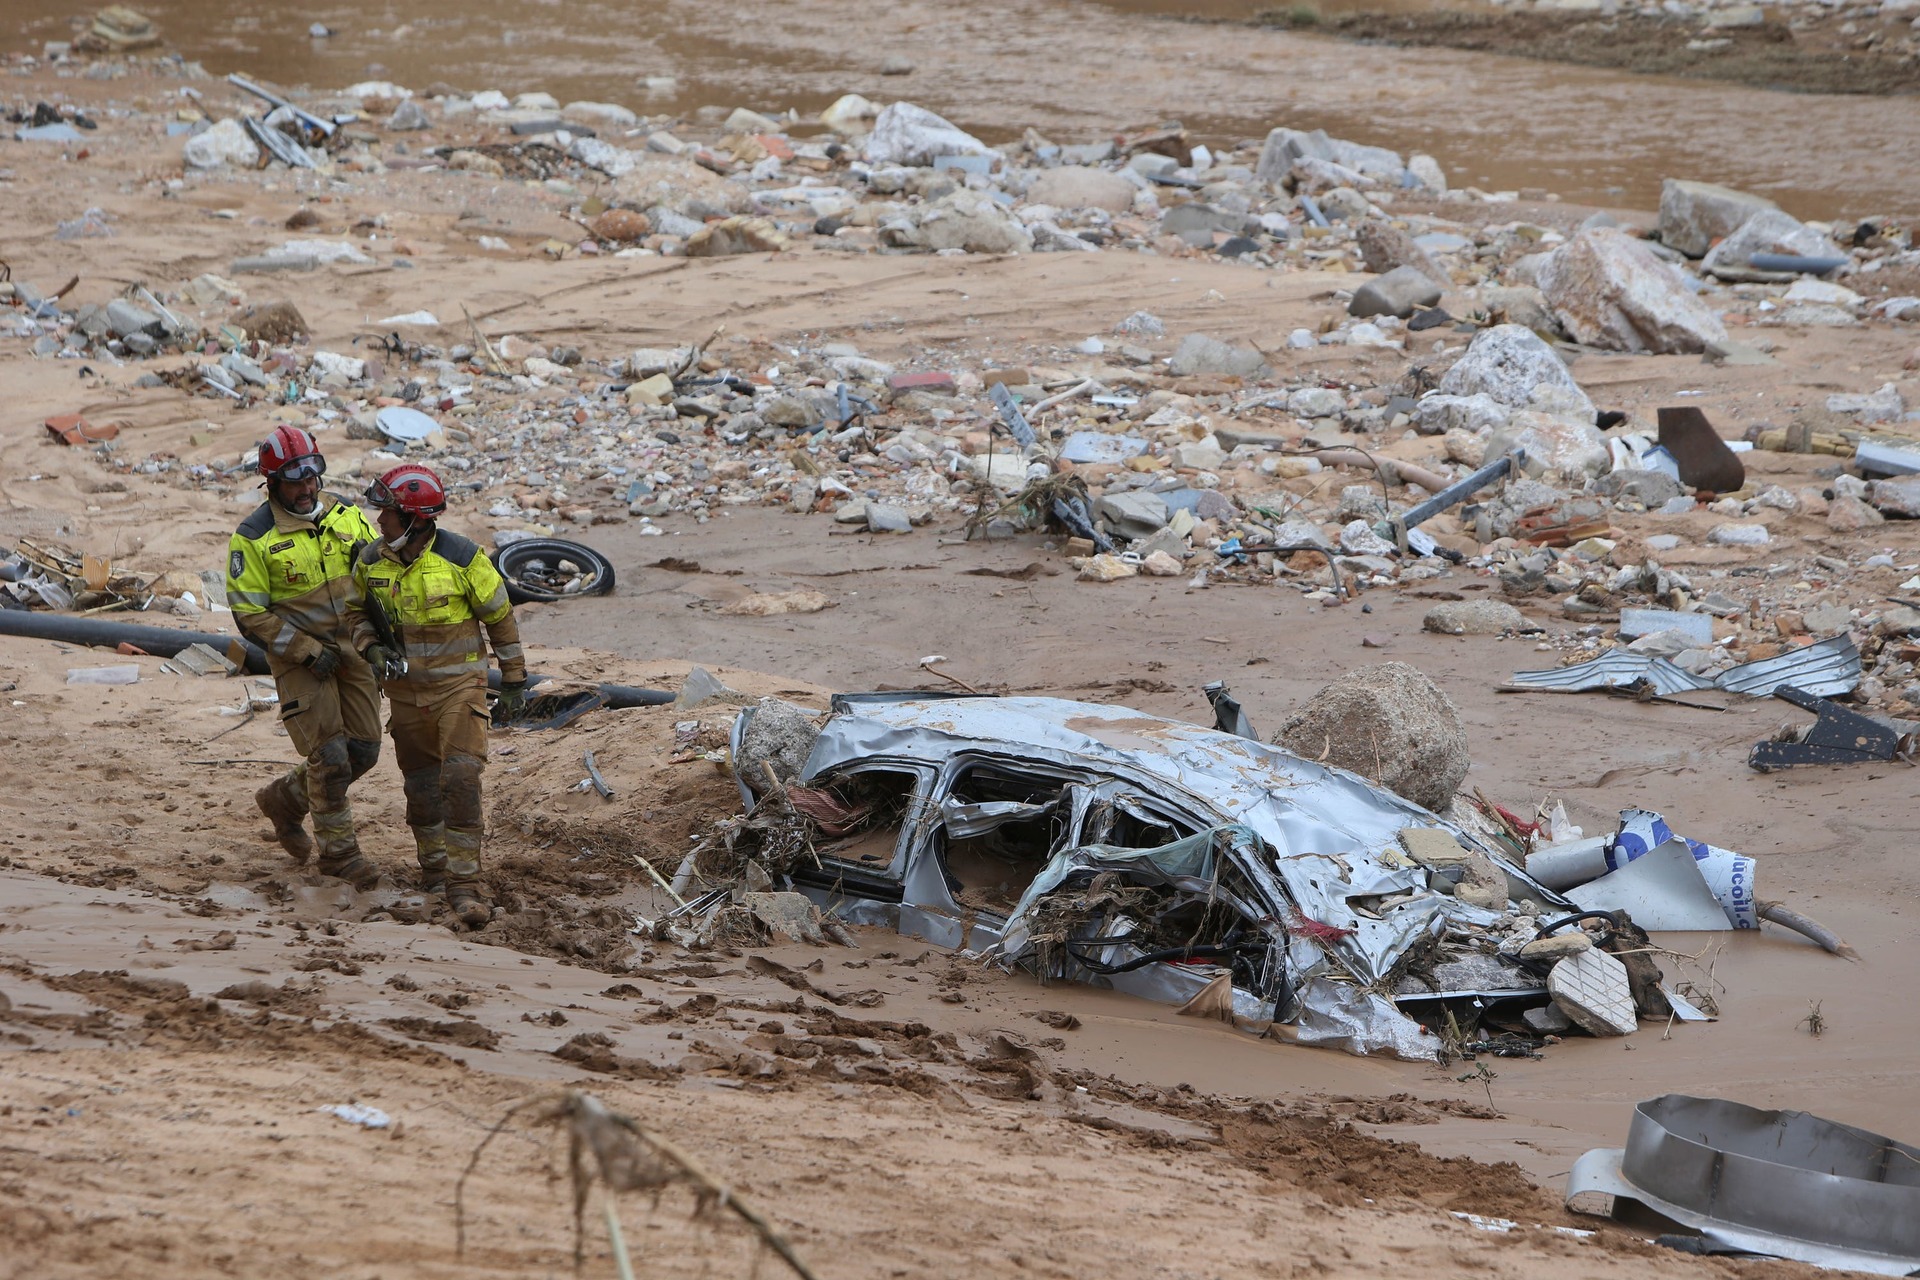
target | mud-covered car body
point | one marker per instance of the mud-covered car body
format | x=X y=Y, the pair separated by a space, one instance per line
x=992 y=803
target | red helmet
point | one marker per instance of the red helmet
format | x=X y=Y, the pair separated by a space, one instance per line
x=411 y=488
x=290 y=454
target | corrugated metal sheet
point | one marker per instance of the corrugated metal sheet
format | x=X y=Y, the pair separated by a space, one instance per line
x=1825 y=669
x=1828 y=668
x=1615 y=670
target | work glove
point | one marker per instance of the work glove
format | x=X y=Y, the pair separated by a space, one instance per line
x=324 y=663
x=512 y=703
x=383 y=660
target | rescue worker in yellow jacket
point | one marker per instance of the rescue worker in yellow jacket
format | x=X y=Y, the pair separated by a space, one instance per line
x=289 y=568
x=430 y=592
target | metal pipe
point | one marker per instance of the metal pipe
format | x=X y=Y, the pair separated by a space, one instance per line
x=1451 y=495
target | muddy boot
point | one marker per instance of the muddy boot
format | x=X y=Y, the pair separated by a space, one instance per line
x=284 y=802
x=430 y=846
x=340 y=854
x=470 y=906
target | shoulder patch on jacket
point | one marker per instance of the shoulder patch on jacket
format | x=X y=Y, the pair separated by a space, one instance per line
x=259 y=524
x=451 y=546
x=236 y=564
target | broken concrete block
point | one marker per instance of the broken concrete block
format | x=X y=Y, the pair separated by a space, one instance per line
x=1591 y=988
x=1389 y=723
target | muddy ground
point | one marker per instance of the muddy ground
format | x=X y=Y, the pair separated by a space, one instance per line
x=1837 y=53
x=177 y=1000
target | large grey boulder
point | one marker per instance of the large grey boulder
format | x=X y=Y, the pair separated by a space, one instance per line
x=1769 y=231
x=1388 y=723
x=1610 y=291
x=1695 y=214
x=1514 y=366
x=1080 y=187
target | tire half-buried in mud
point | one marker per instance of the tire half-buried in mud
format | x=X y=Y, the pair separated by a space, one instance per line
x=542 y=570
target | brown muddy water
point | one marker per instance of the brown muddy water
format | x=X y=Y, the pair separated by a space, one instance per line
x=1077 y=71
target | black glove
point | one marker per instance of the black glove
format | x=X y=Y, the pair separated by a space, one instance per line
x=512 y=703
x=324 y=663
x=383 y=660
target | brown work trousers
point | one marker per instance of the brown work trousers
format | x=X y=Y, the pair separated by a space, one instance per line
x=440 y=741
x=333 y=723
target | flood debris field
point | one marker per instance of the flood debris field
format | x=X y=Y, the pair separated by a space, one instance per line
x=1255 y=667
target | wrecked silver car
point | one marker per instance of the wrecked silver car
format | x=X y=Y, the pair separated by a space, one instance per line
x=1102 y=844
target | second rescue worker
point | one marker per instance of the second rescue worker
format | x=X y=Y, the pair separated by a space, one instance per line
x=438 y=589
x=289 y=567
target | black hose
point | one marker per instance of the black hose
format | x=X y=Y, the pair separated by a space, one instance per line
x=1204 y=951
x=165 y=642
x=161 y=642
x=1564 y=921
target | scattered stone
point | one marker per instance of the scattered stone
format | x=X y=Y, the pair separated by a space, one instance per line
x=1769 y=231
x=1357 y=538
x=1106 y=568
x=1198 y=353
x=1883 y=405
x=1651 y=489
x=1848 y=514
x=906 y=134
x=1610 y=291
x=970 y=221
x=409 y=116
x=1316 y=402
x=1080 y=187
x=1557 y=946
x=1552 y=444
x=1388 y=723
x=225 y=143
x=1693 y=215
x=1739 y=535
x=1400 y=292
x=1547 y=1020
x=1510 y=363
x=1473 y=618
x=1899 y=496
x=736 y=235
x=622 y=226
x=1385 y=248
x=777 y=734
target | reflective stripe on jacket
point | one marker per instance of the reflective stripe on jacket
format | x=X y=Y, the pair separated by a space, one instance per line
x=288 y=576
x=437 y=604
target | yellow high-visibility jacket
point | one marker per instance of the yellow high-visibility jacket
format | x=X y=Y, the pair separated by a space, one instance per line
x=288 y=577
x=438 y=605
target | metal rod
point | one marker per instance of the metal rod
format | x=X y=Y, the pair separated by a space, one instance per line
x=1450 y=496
